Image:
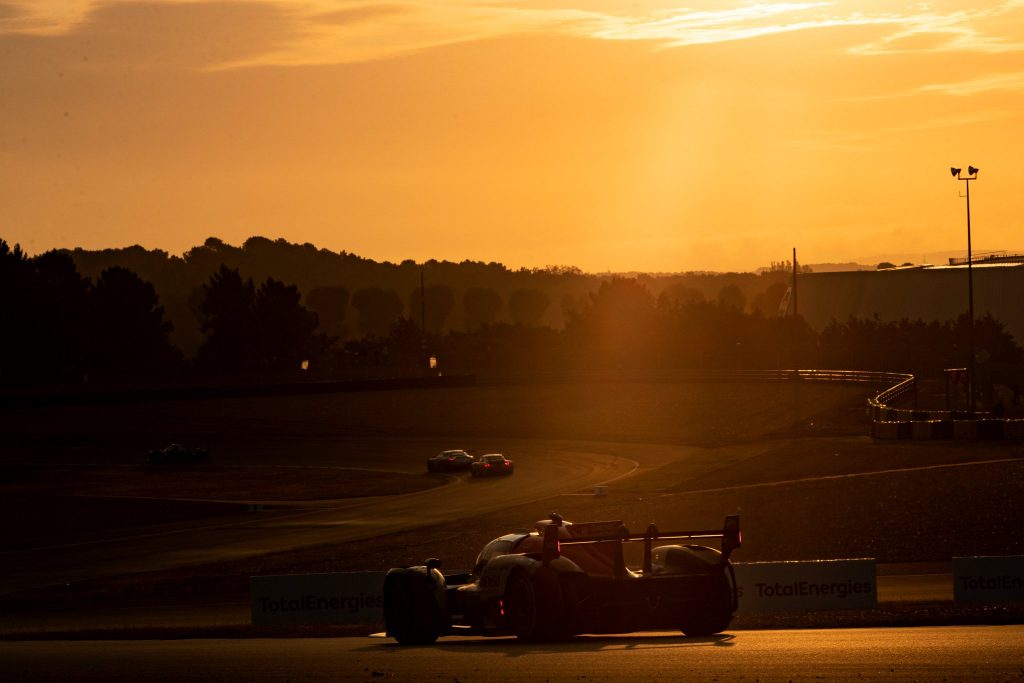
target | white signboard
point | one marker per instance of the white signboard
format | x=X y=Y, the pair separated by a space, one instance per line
x=806 y=586
x=342 y=598
x=988 y=579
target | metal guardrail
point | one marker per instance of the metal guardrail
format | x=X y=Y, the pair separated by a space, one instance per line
x=692 y=375
x=900 y=385
x=887 y=422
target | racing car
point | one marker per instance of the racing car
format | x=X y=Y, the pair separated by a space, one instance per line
x=178 y=454
x=492 y=465
x=564 y=579
x=446 y=461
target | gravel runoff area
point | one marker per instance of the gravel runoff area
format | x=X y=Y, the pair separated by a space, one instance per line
x=905 y=502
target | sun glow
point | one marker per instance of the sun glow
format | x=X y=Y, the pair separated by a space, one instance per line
x=601 y=133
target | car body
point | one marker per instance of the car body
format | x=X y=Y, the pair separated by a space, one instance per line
x=448 y=461
x=492 y=465
x=564 y=579
x=179 y=454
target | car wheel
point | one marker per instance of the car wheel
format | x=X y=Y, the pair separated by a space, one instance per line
x=714 y=613
x=535 y=607
x=522 y=607
x=411 y=613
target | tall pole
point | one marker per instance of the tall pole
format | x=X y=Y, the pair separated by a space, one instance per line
x=970 y=302
x=796 y=356
x=425 y=359
x=794 y=282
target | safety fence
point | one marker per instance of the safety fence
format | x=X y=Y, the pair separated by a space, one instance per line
x=888 y=422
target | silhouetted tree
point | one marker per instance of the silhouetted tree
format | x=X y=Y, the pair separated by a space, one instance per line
x=128 y=330
x=440 y=301
x=618 y=326
x=331 y=306
x=990 y=336
x=378 y=309
x=16 y=313
x=480 y=307
x=58 y=308
x=767 y=302
x=404 y=343
x=678 y=294
x=283 y=327
x=527 y=306
x=501 y=347
x=228 y=322
x=732 y=297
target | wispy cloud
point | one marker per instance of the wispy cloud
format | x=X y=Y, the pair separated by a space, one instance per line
x=368 y=31
x=333 y=31
x=977 y=86
x=978 y=30
x=364 y=13
x=685 y=27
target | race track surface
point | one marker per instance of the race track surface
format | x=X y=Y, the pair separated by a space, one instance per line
x=968 y=653
x=543 y=470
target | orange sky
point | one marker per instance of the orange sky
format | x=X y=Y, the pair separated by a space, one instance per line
x=611 y=135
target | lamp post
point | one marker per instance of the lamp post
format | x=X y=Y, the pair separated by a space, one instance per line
x=972 y=174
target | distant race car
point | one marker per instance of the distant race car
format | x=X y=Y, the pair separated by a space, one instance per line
x=564 y=579
x=492 y=465
x=179 y=454
x=446 y=461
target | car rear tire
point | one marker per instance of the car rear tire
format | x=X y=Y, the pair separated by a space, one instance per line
x=714 y=613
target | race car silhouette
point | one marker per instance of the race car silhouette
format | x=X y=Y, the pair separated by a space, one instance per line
x=565 y=579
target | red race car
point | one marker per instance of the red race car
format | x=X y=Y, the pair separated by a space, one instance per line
x=492 y=465
x=564 y=579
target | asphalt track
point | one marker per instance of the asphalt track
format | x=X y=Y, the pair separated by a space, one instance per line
x=543 y=470
x=954 y=653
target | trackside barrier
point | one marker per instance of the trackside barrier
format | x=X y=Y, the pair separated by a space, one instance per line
x=923 y=430
x=965 y=429
x=298 y=599
x=884 y=429
x=879 y=409
x=1013 y=429
x=806 y=586
x=988 y=579
x=910 y=423
x=990 y=429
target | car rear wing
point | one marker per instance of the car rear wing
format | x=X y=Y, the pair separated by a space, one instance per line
x=730 y=535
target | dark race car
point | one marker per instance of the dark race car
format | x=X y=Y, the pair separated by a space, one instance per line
x=564 y=579
x=447 y=461
x=492 y=465
x=178 y=454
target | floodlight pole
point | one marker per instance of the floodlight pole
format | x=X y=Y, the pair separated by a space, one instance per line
x=970 y=292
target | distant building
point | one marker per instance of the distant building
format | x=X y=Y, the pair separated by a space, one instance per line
x=925 y=292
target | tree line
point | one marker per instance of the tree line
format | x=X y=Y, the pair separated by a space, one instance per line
x=460 y=296
x=61 y=326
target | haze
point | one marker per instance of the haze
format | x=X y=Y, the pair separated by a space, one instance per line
x=655 y=136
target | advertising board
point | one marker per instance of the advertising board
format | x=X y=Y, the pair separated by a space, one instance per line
x=339 y=598
x=807 y=586
x=988 y=579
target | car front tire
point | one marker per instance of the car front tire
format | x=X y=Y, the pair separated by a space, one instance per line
x=412 y=615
